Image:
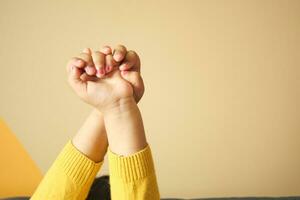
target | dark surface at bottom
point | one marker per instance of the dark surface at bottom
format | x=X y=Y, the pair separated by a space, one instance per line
x=227 y=198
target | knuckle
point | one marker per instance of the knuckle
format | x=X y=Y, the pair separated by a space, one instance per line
x=106 y=47
x=121 y=47
x=132 y=52
x=105 y=50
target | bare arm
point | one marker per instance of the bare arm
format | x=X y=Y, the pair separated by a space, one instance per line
x=91 y=139
x=125 y=128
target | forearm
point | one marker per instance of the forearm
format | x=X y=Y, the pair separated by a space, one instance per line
x=125 y=129
x=91 y=138
x=132 y=173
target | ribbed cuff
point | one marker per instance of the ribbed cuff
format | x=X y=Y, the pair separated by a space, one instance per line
x=76 y=165
x=133 y=167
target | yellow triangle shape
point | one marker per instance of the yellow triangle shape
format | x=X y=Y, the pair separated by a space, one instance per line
x=19 y=175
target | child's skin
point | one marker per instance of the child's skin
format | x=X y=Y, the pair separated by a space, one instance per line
x=112 y=84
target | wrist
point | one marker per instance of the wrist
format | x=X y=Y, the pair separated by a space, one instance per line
x=97 y=114
x=118 y=108
x=125 y=129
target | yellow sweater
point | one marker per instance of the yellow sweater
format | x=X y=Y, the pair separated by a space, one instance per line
x=72 y=174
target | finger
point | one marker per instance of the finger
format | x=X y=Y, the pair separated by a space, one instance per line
x=77 y=65
x=77 y=62
x=135 y=79
x=106 y=50
x=87 y=51
x=131 y=60
x=89 y=64
x=99 y=61
x=87 y=58
x=110 y=63
x=85 y=77
x=74 y=75
x=119 y=53
x=90 y=70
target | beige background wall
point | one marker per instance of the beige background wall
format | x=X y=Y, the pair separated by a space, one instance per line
x=222 y=102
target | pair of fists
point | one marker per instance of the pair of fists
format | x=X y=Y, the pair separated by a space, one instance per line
x=102 y=78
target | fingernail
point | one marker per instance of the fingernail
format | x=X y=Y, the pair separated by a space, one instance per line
x=98 y=74
x=101 y=71
x=108 y=68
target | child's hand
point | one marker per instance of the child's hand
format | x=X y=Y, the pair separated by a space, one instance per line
x=130 y=67
x=110 y=85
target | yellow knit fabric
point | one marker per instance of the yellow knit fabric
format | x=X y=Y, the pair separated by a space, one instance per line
x=72 y=174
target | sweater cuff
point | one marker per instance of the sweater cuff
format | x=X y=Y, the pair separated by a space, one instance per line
x=133 y=167
x=76 y=165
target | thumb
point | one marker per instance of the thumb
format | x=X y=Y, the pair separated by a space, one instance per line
x=135 y=79
x=75 y=74
x=74 y=68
